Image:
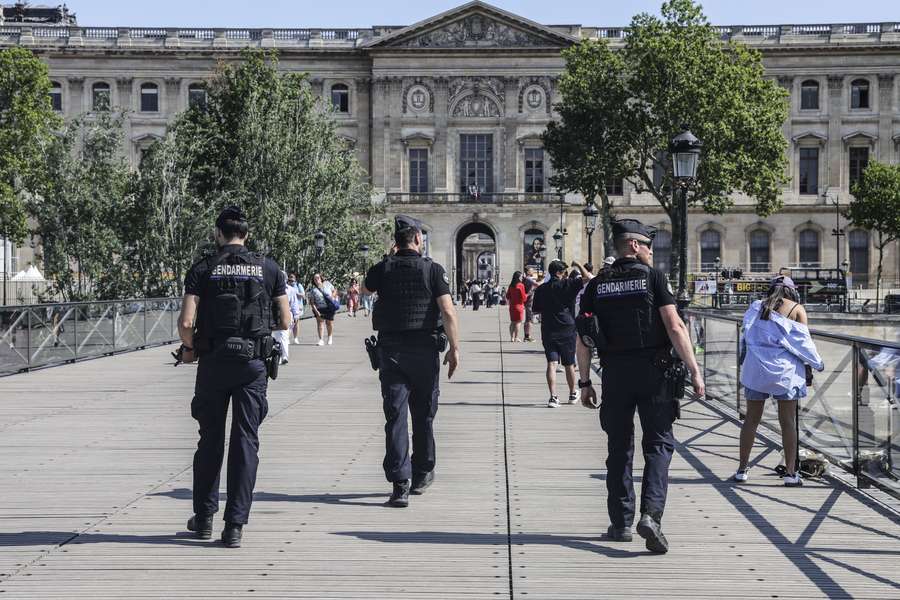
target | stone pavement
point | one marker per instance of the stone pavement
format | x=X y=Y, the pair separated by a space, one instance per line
x=96 y=474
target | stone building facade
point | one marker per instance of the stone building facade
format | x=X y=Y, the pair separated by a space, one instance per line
x=446 y=117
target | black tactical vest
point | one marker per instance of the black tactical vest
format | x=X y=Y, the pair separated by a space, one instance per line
x=405 y=300
x=626 y=310
x=234 y=301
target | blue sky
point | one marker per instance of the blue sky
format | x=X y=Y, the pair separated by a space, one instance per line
x=365 y=13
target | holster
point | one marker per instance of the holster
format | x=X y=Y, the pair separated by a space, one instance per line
x=674 y=371
x=441 y=341
x=371 y=344
x=273 y=360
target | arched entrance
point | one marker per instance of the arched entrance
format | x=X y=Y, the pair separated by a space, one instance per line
x=476 y=254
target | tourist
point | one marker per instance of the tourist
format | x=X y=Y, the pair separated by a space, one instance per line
x=554 y=300
x=301 y=306
x=368 y=300
x=353 y=297
x=530 y=282
x=283 y=336
x=475 y=294
x=324 y=305
x=515 y=298
x=777 y=348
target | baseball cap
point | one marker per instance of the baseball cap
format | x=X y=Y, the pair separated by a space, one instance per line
x=783 y=281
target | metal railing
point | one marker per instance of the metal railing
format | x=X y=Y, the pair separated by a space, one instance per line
x=485 y=198
x=42 y=335
x=851 y=414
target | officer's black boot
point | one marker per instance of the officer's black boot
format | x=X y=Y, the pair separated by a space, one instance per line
x=619 y=534
x=231 y=535
x=650 y=529
x=400 y=497
x=420 y=483
x=201 y=525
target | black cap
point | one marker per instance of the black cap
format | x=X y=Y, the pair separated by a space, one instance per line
x=230 y=213
x=557 y=266
x=402 y=222
x=632 y=229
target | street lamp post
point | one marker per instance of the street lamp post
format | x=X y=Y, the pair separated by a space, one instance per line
x=837 y=232
x=364 y=252
x=846 y=266
x=685 y=152
x=718 y=266
x=590 y=213
x=557 y=241
x=319 y=240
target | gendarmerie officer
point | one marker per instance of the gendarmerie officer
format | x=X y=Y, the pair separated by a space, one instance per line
x=414 y=316
x=637 y=325
x=238 y=298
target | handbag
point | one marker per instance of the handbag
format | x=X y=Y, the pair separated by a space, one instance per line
x=335 y=303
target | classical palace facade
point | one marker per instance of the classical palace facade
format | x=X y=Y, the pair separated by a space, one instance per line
x=446 y=117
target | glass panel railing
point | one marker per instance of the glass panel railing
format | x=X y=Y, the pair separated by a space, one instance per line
x=41 y=335
x=851 y=413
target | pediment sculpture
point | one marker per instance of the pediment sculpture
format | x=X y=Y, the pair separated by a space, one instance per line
x=476 y=105
x=476 y=31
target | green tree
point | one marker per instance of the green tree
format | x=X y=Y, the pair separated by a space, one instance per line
x=876 y=207
x=78 y=209
x=27 y=123
x=629 y=103
x=264 y=141
x=586 y=150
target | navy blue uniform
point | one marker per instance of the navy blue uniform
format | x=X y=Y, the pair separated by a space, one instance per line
x=409 y=363
x=627 y=306
x=219 y=381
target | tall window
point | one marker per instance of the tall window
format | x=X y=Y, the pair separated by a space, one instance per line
x=808 y=246
x=809 y=95
x=858 y=240
x=534 y=170
x=197 y=96
x=614 y=188
x=56 y=96
x=149 y=97
x=859 y=94
x=418 y=170
x=809 y=170
x=476 y=164
x=759 y=251
x=662 y=251
x=100 y=96
x=340 y=97
x=710 y=249
x=859 y=160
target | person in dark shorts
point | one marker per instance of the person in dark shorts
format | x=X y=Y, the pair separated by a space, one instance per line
x=554 y=301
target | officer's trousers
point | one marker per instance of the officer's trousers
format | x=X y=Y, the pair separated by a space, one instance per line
x=629 y=383
x=409 y=385
x=244 y=383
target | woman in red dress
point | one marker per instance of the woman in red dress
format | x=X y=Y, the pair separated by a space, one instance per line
x=515 y=298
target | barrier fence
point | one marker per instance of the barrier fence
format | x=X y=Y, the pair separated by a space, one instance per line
x=851 y=414
x=42 y=335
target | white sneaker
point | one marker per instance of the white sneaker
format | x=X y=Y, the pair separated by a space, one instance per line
x=741 y=476
x=321 y=342
x=553 y=402
x=297 y=341
x=574 y=396
x=793 y=480
x=330 y=341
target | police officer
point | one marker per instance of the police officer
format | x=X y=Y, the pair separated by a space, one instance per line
x=639 y=326
x=414 y=316
x=236 y=299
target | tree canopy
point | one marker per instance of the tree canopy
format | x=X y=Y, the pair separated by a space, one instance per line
x=27 y=123
x=621 y=107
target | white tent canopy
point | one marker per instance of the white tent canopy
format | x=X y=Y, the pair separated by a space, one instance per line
x=30 y=274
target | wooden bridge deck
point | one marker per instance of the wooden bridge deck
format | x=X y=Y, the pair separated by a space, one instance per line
x=95 y=463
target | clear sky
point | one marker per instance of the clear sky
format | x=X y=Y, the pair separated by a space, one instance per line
x=365 y=13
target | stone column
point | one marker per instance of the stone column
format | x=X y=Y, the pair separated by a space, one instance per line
x=885 y=118
x=75 y=100
x=396 y=154
x=511 y=128
x=442 y=183
x=124 y=88
x=363 y=124
x=787 y=83
x=835 y=144
x=379 y=139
